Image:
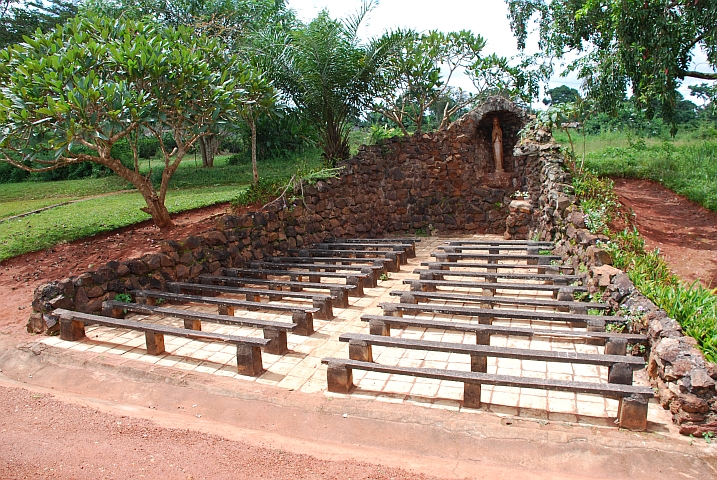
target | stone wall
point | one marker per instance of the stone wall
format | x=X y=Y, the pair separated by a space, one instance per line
x=441 y=182
x=684 y=381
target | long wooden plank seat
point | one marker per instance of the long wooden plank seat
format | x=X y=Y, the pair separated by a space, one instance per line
x=531 y=243
x=396 y=247
x=373 y=271
x=562 y=306
x=494 y=267
x=301 y=316
x=356 y=280
x=430 y=285
x=407 y=241
x=386 y=264
x=72 y=328
x=323 y=303
x=394 y=259
x=338 y=292
x=620 y=367
x=554 y=278
x=455 y=257
x=632 y=412
x=615 y=343
x=275 y=332
x=592 y=321
x=494 y=248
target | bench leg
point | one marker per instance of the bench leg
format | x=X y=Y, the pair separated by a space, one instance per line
x=360 y=350
x=192 y=324
x=471 y=395
x=620 y=373
x=249 y=360
x=304 y=323
x=595 y=325
x=373 y=275
x=377 y=327
x=408 y=298
x=71 y=330
x=315 y=278
x=277 y=344
x=563 y=295
x=342 y=299
x=632 y=413
x=113 y=312
x=340 y=378
x=326 y=311
x=616 y=346
x=533 y=251
x=155 y=343
x=225 y=310
x=479 y=363
x=356 y=282
x=395 y=264
x=391 y=310
x=147 y=301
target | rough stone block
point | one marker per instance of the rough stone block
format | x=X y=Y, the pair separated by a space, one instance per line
x=632 y=413
x=71 y=330
x=620 y=373
x=360 y=350
x=377 y=327
x=249 y=360
x=471 y=395
x=304 y=323
x=277 y=344
x=339 y=378
x=155 y=343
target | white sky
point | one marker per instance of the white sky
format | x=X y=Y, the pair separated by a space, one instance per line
x=488 y=18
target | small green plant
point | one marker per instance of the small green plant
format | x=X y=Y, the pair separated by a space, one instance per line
x=384 y=277
x=159 y=301
x=615 y=327
x=708 y=436
x=580 y=296
x=421 y=232
x=545 y=252
x=123 y=297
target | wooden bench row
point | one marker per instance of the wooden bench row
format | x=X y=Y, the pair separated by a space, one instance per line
x=492 y=257
x=632 y=412
x=392 y=260
x=275 y=332
x=302 y=316
x=530 y=243
x=494 y=267
x=72 y=328
x=490 y=287
x=407 y=249
x=307 y=267
x=384 y=265
x=561 y=306
x=356 y=280
x=557 y=279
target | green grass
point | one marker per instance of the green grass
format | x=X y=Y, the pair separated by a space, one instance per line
x=191 y=187
x=687 y=165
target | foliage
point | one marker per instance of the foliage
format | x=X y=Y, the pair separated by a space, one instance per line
x=19 y=18
x=96 y=81
x=647 y=46
x=561 y=94
x=329 y=75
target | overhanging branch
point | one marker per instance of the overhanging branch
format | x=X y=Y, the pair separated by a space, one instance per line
x=701 y=75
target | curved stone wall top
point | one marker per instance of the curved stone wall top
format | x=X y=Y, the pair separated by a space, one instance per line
x=495 y=104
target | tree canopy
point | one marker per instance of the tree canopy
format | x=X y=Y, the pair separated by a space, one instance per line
x=645 y=45
x=68 y=96
x=22 y=17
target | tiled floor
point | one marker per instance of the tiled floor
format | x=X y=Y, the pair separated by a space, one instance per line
x=301 y=368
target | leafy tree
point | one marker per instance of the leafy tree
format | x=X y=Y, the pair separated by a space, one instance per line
x=260 y=98
x=78 y=91
x=20 y=17
x=329 y=75
x=646 y=45
x=561 y=94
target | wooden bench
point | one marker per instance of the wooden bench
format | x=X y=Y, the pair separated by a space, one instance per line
x=553 y=278
x=275 y=332
x=632 y=412
x=339 y=293
x=494 y=267
x=301 y=316
x=620 y=367
x=394 y=260
x=593 y=322
x=373 y=271
x=385 y=264
x=531 y=243
x=615 y=343
x=356 y=280
x=561 y=306
x=322 y=303
x=408 y=249
x=491 y=287
x=492 y=257
x=409 y=241
x=493 y=248
x=72 y=328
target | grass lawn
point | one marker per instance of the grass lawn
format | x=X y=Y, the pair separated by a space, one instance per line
x=191 y=187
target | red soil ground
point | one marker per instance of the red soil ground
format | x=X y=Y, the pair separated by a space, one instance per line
x=685 y=232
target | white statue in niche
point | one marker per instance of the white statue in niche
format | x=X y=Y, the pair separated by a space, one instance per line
x=497 y=145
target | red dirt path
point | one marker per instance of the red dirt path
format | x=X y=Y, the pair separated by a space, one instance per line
x=685 y=232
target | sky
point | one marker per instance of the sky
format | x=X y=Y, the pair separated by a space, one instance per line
x=488 y=18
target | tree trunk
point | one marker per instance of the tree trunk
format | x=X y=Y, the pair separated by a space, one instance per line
x=206 y=147
x=158 y=211
x=254 y=167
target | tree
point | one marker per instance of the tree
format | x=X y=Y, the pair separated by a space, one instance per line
x=329 y=75
x=19 y=17
x=71 y=94
x=413 y=81
x=645 y=45
x=260 y=98
x=561 y=94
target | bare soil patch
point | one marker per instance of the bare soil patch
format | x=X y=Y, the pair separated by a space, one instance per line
x=19 y=276
x=685 y=232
